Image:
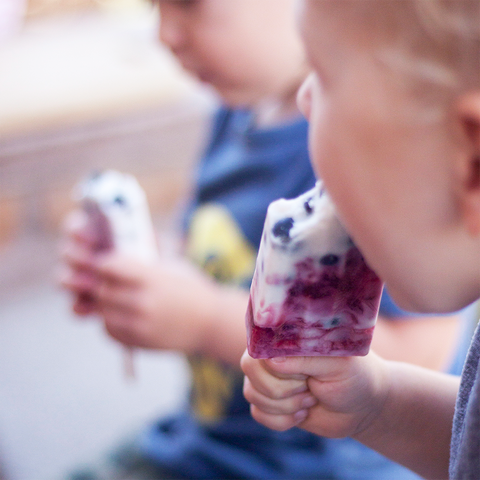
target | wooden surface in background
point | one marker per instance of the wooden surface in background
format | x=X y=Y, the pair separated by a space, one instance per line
x=87 y=92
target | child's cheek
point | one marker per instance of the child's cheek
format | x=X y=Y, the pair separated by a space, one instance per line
x=314 y=151
x=318 y=147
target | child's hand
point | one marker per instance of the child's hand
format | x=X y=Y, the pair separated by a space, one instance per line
x=329 y=396
x=163 y=304
x=76 y=270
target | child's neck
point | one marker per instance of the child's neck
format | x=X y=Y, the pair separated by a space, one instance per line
x=276 y=111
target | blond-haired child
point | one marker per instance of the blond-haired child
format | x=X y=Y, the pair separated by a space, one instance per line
x=394 y=112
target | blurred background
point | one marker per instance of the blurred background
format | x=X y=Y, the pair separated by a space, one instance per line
x=84 y=84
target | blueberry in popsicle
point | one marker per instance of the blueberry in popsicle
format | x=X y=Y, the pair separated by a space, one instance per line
x=312 y=292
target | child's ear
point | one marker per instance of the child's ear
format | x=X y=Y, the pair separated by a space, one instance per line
x=468 y=109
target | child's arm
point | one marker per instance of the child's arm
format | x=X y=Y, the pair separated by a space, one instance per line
x=402 y=411
x=171 y=304
x=428 y=341
x=168 y=303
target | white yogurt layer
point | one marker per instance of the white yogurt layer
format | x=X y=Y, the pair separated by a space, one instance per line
x=296 y=229
x=124 y=203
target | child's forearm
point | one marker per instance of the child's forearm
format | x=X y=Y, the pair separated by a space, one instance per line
x=415 y=423
x=427 y=341
x=224 y=334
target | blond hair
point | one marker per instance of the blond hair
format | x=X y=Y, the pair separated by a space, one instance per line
x=450 y=29
x=431 y=46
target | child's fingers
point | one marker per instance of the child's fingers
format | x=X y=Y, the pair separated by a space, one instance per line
x=278 y=422
x=75 y=221
x=120 y=296
x=267 y=383
x=84 y=304
x=77 y=256
x=103 y=280
x=76 y=228
x=82 y=285
x=121 y=269
x=124 y=328
x=274 y=367
x=282 y=406
x=76 y=281
x=326 y=368
x=117 y=326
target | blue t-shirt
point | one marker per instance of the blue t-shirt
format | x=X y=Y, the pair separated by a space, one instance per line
x=244 y=169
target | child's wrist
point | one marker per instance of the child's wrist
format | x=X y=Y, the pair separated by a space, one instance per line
x=211 y=307
x=222 y=332
x=381 y=390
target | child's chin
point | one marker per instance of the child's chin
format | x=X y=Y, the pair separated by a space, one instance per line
x=424 y=300
x=407 y=299
x=235 y=98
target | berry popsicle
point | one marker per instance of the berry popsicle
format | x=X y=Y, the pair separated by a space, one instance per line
x=312 y=292
x=118 y=214
x=118 y=217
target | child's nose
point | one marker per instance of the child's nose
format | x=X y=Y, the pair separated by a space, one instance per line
x=304 y=96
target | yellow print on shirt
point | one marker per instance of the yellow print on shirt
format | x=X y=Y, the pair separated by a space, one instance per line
x=216 y=243
x=213 y=385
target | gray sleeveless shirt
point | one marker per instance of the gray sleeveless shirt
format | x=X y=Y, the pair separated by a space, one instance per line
x=465 y=446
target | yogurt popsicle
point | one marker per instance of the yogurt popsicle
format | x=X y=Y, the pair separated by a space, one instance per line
x=312 y=292
x=118 y=218
x=118 y=214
